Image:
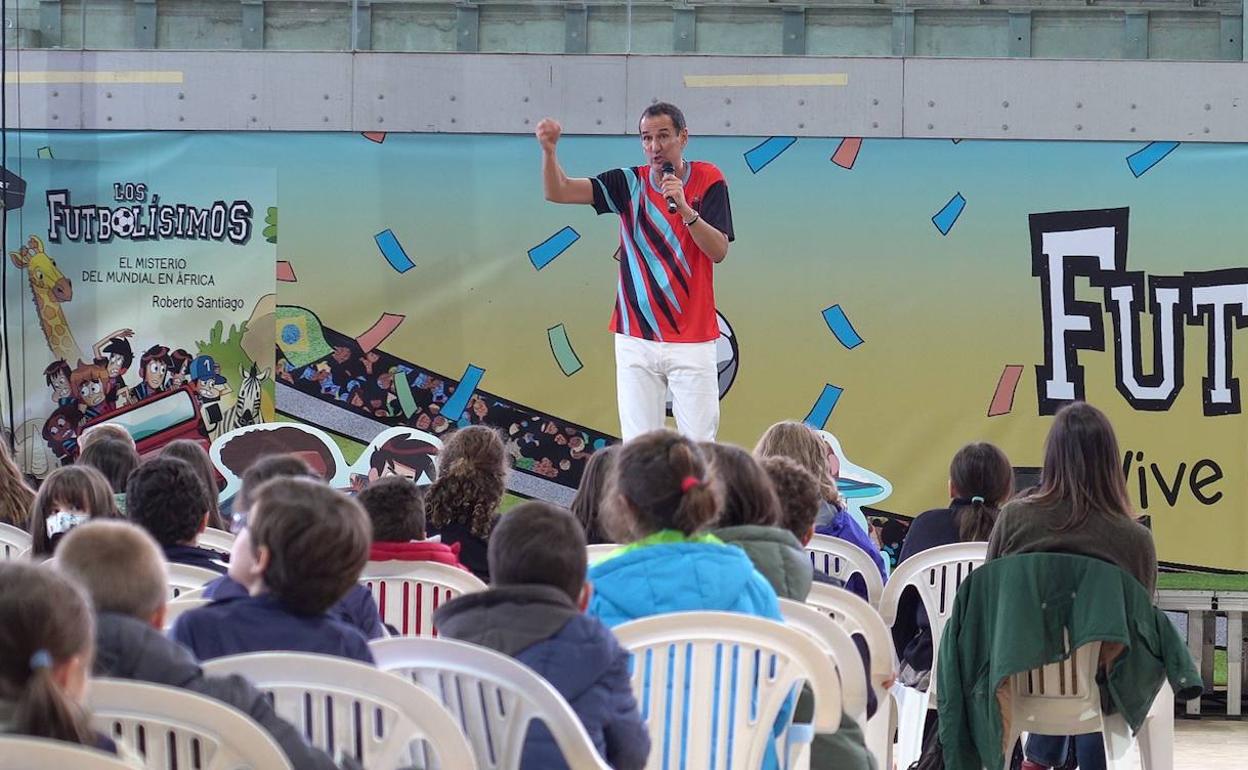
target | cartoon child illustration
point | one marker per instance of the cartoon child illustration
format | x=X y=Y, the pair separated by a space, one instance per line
x=114 y=353
x=61 y=432
x=405 y=456
x=89 y=382
x=210 y=386
x=153 y=368
x=180 y=368
x=57 y=377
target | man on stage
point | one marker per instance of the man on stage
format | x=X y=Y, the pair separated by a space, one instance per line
x=675 y=222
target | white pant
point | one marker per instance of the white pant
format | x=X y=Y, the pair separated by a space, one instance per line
x=645 y=370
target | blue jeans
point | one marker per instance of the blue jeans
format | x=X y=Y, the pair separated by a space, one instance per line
x=1051 y=750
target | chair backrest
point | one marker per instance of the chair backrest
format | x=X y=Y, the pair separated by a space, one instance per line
x=216 y=539
x=171 y=728
x=936 y=574
x=13 y=542
x=492 y=697
x=600 y=551
x=19 y=753
x=711 y=685
x=407 y=592
x=180 y=605
x=1061 y=698
x=859 y=619
x=842 y=559
x=184 y=577
x=838 y=646
x=343 y=705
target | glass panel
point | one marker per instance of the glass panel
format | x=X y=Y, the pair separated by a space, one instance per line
x=199 y=24
x=307 y=26
x=401 y=25
x=849 y=32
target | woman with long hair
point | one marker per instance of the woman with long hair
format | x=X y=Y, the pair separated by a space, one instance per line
x=587 y=505
x=16 y=496
x=981 y=480
x=1081 y=506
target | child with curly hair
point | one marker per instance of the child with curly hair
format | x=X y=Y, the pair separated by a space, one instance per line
x=462 y=505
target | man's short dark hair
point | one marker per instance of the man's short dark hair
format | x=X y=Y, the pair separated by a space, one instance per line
x=266 y=468
x=318 y=541
x=537 y=542
x=166 y=496
x=664 y=108
x=396 y=507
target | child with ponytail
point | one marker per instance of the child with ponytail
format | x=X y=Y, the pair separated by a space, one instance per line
x=662 y=502
x=462 y=504
x=47 y=637
x=981 y=480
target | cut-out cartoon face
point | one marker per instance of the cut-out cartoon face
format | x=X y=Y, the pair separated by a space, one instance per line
x=91 y=392
x=116 y=364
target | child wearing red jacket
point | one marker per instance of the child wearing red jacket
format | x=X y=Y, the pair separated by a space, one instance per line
x=397 y=508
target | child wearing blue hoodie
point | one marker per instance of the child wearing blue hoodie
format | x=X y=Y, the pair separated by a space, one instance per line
x=661 y=501
x=533 y=612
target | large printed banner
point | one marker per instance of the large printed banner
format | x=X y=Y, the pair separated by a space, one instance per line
x=906 y=296
x=139 y=292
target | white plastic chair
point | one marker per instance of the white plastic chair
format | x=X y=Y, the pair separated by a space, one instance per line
x=343 y=705
x=705 y=679
x=184 y=577
x=492 y=697
x=842 y=559
x=1063 y=698
x=216 y=539
x=173 y=728
x=194 y=593
x=20 y=753
x=408 y=592
x=839 y=647
x=600 y=551
x=13 y=542
x=936 y=575
x=859 y=618
x=180 y=606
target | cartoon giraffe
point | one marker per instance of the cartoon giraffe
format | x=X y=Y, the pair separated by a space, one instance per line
x=49 y=288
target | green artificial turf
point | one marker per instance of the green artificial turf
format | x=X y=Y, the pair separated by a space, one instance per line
x=1202 y=581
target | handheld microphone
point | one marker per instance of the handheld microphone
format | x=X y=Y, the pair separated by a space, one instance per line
x=668 y=168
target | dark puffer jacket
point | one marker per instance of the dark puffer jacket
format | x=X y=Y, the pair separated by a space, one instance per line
x=540 y=626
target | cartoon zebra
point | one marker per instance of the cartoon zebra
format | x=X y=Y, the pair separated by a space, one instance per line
x=246 y=409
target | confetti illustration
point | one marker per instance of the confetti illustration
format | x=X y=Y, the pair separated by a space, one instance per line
x=1148 y=156
x=403 y=389
x=947 y=216
x=561 y=347
x=378 y=332
x=545 y=252
x=375 y=136
x=1003 y=398
x=822 y=410
x=846 y=153
x=458 y=402
x=759 y=156
x=285 y=272
x=393 y=251
x=45 y=153
x=839 y=323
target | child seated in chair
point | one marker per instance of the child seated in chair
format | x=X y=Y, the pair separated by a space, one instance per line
x=533 y=613
x=396 y=506
x=166 y=496
x=300 y=550
x=357 y=608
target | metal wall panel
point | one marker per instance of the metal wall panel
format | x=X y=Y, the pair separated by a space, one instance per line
x=1013 y=99
x=500 y=93
x=768 y=97
x=497 y=93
